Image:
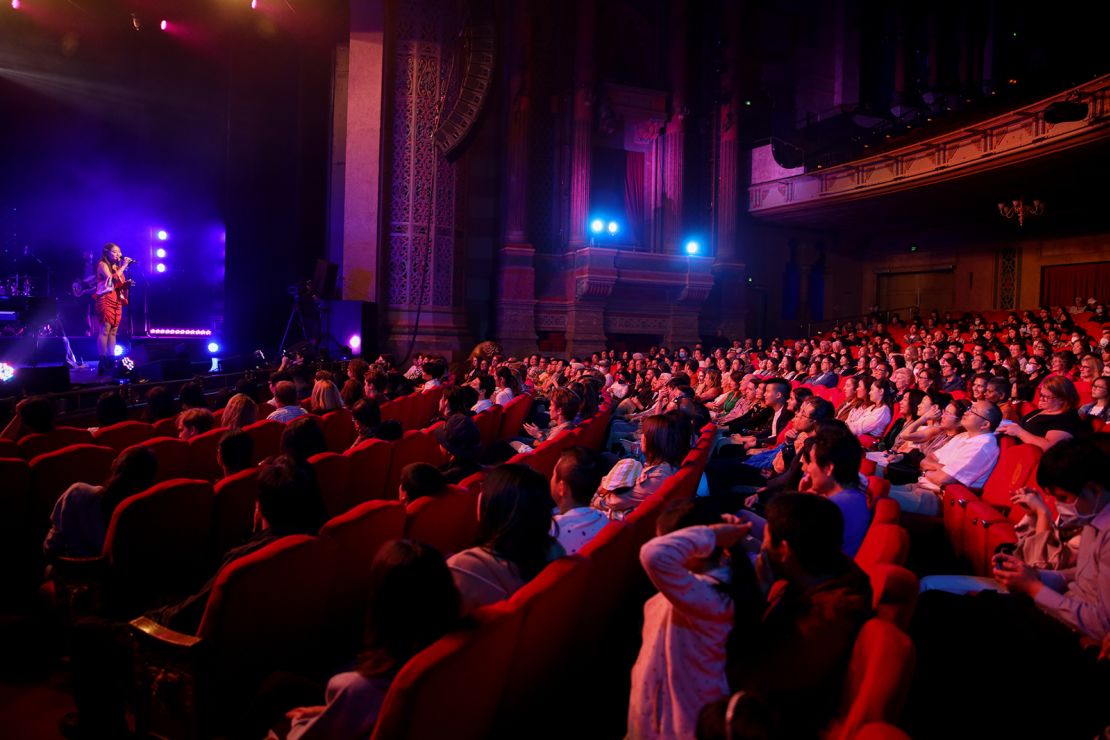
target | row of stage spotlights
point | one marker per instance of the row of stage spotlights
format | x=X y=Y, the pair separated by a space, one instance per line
x=600 y=227
x=136 y=22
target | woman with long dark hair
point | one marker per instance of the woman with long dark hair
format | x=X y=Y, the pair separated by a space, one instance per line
x=412 y=603
x=514 y=537
x=79 y=522
x=111 y=296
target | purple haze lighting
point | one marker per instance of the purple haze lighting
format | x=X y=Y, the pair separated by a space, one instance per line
x=254 y=4
x=354 y=342
x=161 y=233
x=163 y=25
x=160 y=267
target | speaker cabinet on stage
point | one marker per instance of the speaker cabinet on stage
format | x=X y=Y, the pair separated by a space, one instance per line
x=347 y=318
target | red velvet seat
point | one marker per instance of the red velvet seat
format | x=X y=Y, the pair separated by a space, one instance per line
x=34 y=445
x=16 y=542
x=357 y=536
x=333 y=472
x=980 y=518
x=513 y=416
x=954 y=510
x=172 y=456
x=267 y=438
x=122 y=435
x=203 y=462
x=894 y=591
x=461 y=676
x=11 y=449
x=1016 y=467
x=883 y=543
x=614 y=554
x=165 y=427
x=447 y=522
x=550 y=604
x=368 y=471
x=880 y=731
x=877 y=488
x=339 y=429
x=878 y=679
x=395 y=410
x=54 y=472
x=233 y=504
x=489 y=424
x=887 y=511
x=157 y=542
x=414 y=447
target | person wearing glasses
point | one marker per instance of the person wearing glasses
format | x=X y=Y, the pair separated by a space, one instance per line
x=967 y=458
x=1056 y=419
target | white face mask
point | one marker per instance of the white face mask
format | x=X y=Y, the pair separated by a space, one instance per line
x=1068 y=516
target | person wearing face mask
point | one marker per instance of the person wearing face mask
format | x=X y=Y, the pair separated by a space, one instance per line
x=1046 y=623
x=967 y=458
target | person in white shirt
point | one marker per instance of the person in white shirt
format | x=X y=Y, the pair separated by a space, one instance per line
x=485 y=387
x=574 y=481
x=432 y=372
x=967 y=458
x=504 y=386
x=873 y=415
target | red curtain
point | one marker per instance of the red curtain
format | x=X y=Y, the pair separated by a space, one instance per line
x=634 y=194
x=1060 y=284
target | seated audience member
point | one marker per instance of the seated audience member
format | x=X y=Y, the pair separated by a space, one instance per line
x=504 y=382
x=776 y=394
x=462 y=442
x=415 y=602
x=240 y=411
x=34 y=415
x=352 y=392
x=285 y=399
x=457 y=399
x=367 y=414
x=907 y=414
x=514 y=532
x=790 y=653
x=564 y=410
x=1039 y=627
x=278 y=376
x=81 y=516
x=681 y=664
x=110 y=409
x=486 y=387
x=191 y=396
x=419 y=480
x=1056 y=419
x=288 y=503
x=998 y=392
x=1099 y=407
x=160 y=405
x=826 y=377
x=967 y=458
x=236 y=451
x=663 y=445
x=301 y=439
x=325 y=397
x=873 y=414
x=194 y=421
x=574 y=481
x=432 y=372
x=831 y=469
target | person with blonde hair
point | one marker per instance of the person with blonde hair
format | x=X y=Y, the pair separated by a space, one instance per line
x=325 y=397
x=241 y=411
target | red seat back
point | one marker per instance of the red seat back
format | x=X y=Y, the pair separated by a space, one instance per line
x=513 y=416
x=1016 y=467
x=233 y=503
x=165 y=427
x=16 y=540
x=333 y=472
x=202 y=455
x=954 y=510
x=267 y=438
x=447 y=522
x=122 y=435
x=369 y=469
x=887 y=511
x=357 y=536
x=172 y=456
x=894 y=592
x=877 y=488
x=489 y=424
x=34 y=445
x=339 y=429
x=157 y=541
x=878 y=678
x=54 y=472
x=413 y=447
x=11 y=449
x=270 y=608
x=883 y=543
x=395 y=410
x=461 y=675
x=980 y=518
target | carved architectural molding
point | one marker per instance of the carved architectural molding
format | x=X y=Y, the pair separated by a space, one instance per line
x=1017 y=135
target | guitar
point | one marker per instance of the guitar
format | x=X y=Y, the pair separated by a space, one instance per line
x=85 y=286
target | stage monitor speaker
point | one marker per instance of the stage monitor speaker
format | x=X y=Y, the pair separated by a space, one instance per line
x=44 y=379
x=348 y=318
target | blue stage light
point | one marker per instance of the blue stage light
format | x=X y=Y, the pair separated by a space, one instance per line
x=613 y=228
x=162 y=235
x=597 y=226
x=213 y=348
x=692 y=247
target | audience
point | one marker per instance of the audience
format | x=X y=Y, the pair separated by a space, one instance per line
x=110 y=409
x=240 y=411
x=1057 y=418
x=419 y=480
x=194 y=421
x=574 y=482
x=236 y=452
x=663 y=445
x=285 y=400
x=461 y=442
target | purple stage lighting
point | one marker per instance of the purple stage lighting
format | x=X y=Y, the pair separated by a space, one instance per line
x=119 y=350
x=128 y=364
x=162 y=235
x=354 y=342
x=7 y=372
x=160 y=253
x=163 y=25
x=160 y=267
x=213 y=348
x=159 y=332
x=15 y=6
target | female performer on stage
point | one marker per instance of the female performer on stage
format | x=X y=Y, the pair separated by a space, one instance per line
x=111 y=297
